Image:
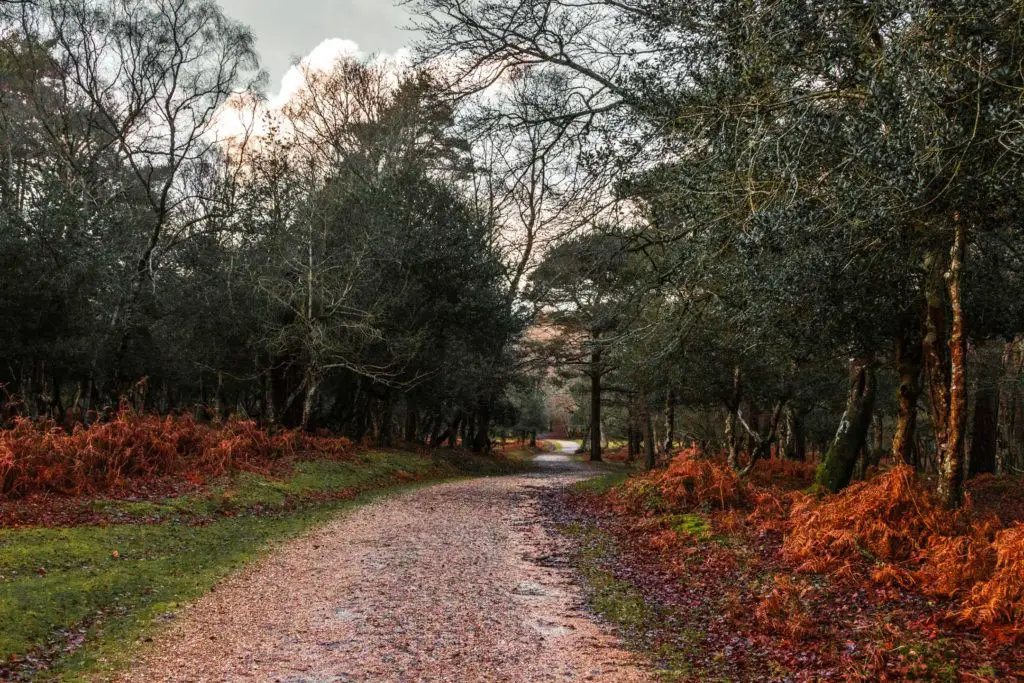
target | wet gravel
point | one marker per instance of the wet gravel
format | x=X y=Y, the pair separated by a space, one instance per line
x=450 y=583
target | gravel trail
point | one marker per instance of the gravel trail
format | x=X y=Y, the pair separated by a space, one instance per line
x=446 y=583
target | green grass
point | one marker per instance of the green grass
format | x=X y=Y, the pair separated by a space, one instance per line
x=695 y=526
x=933 y=661
x=603 y=484
x=622 y=604
x=116 y=584
x=519 y=454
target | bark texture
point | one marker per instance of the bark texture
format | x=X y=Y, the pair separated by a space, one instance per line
x=670 y=421
x=908 y=367
x=649 y=448
x=951 y=482
x=840 y=459
x=732 y=407
x=1011 y=409
x=595 y=406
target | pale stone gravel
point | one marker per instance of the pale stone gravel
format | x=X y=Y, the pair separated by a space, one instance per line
x=433 y=585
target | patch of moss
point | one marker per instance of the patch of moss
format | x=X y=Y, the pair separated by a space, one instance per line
x=601 y=485
x=693 y=525
x=934 y=661
x=132 y=508
x=519 y=454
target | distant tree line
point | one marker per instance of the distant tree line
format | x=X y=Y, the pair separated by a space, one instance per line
x=168 y=240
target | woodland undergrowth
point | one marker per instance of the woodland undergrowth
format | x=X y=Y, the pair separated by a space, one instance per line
x=885 y=546
x=42 y=458
x=890 y=530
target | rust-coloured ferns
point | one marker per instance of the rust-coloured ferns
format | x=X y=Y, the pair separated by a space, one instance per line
x=894 y=531
x=689 y=482
x=44 y=458
x=891 y=530
x=997 y=604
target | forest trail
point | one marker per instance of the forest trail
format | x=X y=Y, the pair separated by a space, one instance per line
x=445 y=583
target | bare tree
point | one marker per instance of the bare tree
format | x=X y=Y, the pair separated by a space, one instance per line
x=152 y=75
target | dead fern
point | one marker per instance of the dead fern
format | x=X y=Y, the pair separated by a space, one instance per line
x=689 y=482
x=45 y=458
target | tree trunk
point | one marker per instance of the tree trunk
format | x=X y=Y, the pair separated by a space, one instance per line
x=951 y=482
x=411 y=420
x=733 y=408
x=872 y=453
x=798 y=436
x=439 y=434
x=763 y=444
x=482 y=439
x=878 y=445
x=936 y=353
x=219 y=402
x=470 y=431
x=731 y=442
x=309 y=401
x=786 y=434
x=1009 y=398
x=453 y=432
x=384 y=438
x=29 y=389
x=908 y=366
x=670 y=421
x=587 y=431
x=649 y=448
x=267 y=398
x=753 y=426
x=56 y=400
x=838 y=464
x=631 y=428
x=76 y=405
x=595 y=406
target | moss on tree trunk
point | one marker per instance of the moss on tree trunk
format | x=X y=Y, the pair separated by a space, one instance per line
x=840 y=459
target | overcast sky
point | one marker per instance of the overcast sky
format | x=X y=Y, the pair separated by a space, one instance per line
x=286 y=29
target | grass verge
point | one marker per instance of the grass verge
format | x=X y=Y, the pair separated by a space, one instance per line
x=74 y=601
x=644 y=625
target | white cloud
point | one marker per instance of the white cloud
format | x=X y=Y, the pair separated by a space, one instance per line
x=322 y=58
x=242 y=115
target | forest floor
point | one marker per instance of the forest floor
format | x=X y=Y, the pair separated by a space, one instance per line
x=695 y=594
x=85 y=581
x=456 y=582
x=537 y=575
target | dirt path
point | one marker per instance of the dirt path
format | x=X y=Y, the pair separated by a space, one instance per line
x=441 y=584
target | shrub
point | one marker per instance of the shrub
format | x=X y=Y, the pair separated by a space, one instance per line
x=894 y=524
x=997 y=604
x=688 y=483
x=43 y=458
x=782 y=471
x=898 y=530
x=782 y=609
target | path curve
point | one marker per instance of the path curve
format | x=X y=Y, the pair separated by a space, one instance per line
x=444 y=583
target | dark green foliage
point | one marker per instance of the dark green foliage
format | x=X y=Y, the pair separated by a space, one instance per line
x=787 y=173
x=327 y=273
